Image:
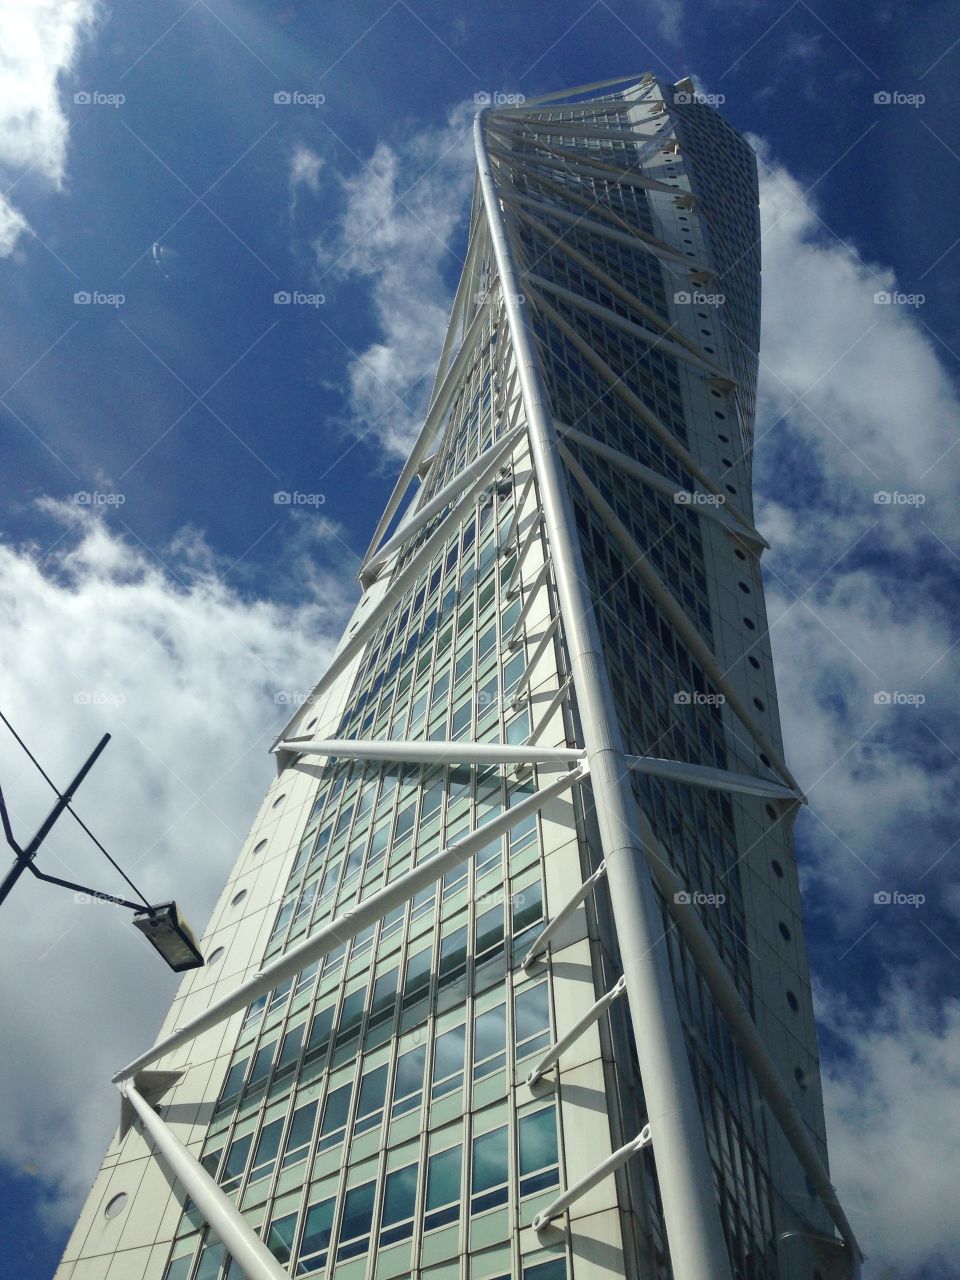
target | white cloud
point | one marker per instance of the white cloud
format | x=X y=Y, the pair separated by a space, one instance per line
x=173 y=665
x=895 y=1129
x=305 y=167
x=398 y=230
x=39 y=41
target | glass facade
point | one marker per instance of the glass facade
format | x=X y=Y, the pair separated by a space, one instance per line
x=371 y=1116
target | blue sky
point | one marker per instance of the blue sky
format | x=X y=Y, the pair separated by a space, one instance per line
x=185 y=604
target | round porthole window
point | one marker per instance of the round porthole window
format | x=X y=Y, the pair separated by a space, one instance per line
x=777 y=869
x=215 y=955
x=259 y=848
x=116 y=1205
x=238 y=898
x=309 y=726
x=279 y=800
x=784 y=931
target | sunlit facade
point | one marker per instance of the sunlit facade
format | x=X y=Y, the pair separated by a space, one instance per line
x=573 y=581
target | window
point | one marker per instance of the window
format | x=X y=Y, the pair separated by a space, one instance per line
x=489 y=933
x=453 y=957
x=527 y=906
x=373 y=1090
x=211 y=1260
x=320 y=1032
x=261 y=1063
x=448 y=1062
x=399 y=1200
x=488 y=1186
x=555 y=1269
x=266 y=1152
x=489 y=1041
x=408 y=1084
x=318 y=1227
x=384 y=997
x=443 y=1189
x=417 y=980
x=235 y=1162
x=116 y=1205
x=301 y=1131
x=290 y=1048
x=539 y=1167
x=351 y=1015
x=234 y=1080
x=532 y=1019
x=335 y=1112
x=356 y=1221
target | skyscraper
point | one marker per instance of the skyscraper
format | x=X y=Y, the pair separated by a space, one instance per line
x=509 y=979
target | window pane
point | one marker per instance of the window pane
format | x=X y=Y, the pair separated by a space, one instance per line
x=489 y=929
x=417 y=981
x=301 y=1128
x=448 y=1059
x=409 y=1079
x=290 y=1049
x=210 y=1262
x=261 y=1063
x=490 y=1033
x=527 y=906
x=280 y=1237
x=489 y=1160
x=320 y=1031
x=237 y=1156
x=443 y=1178
x=316 y=1232
x=351 y=1016
x=373 y=1088
x=269 y=1144
x=532 y=1010
x=335 y=1114
x=538 y=1141
x=357 y=1217
x=555 y=1269
x=235 y=1078
x=399 y=1195
x=453 y=954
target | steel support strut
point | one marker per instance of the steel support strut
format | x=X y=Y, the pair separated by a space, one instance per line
x=238 y=1238
x=691 y=1214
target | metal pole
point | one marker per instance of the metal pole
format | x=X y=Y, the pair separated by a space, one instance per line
x=432 y=752
x=539 y=944
x=25 y=856
x=603 y=1170
x=223 y=1217
x=691 y=1214
x=354 y=921
x=559 y=1047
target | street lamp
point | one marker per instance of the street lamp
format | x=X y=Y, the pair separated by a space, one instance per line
x=170 y=936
